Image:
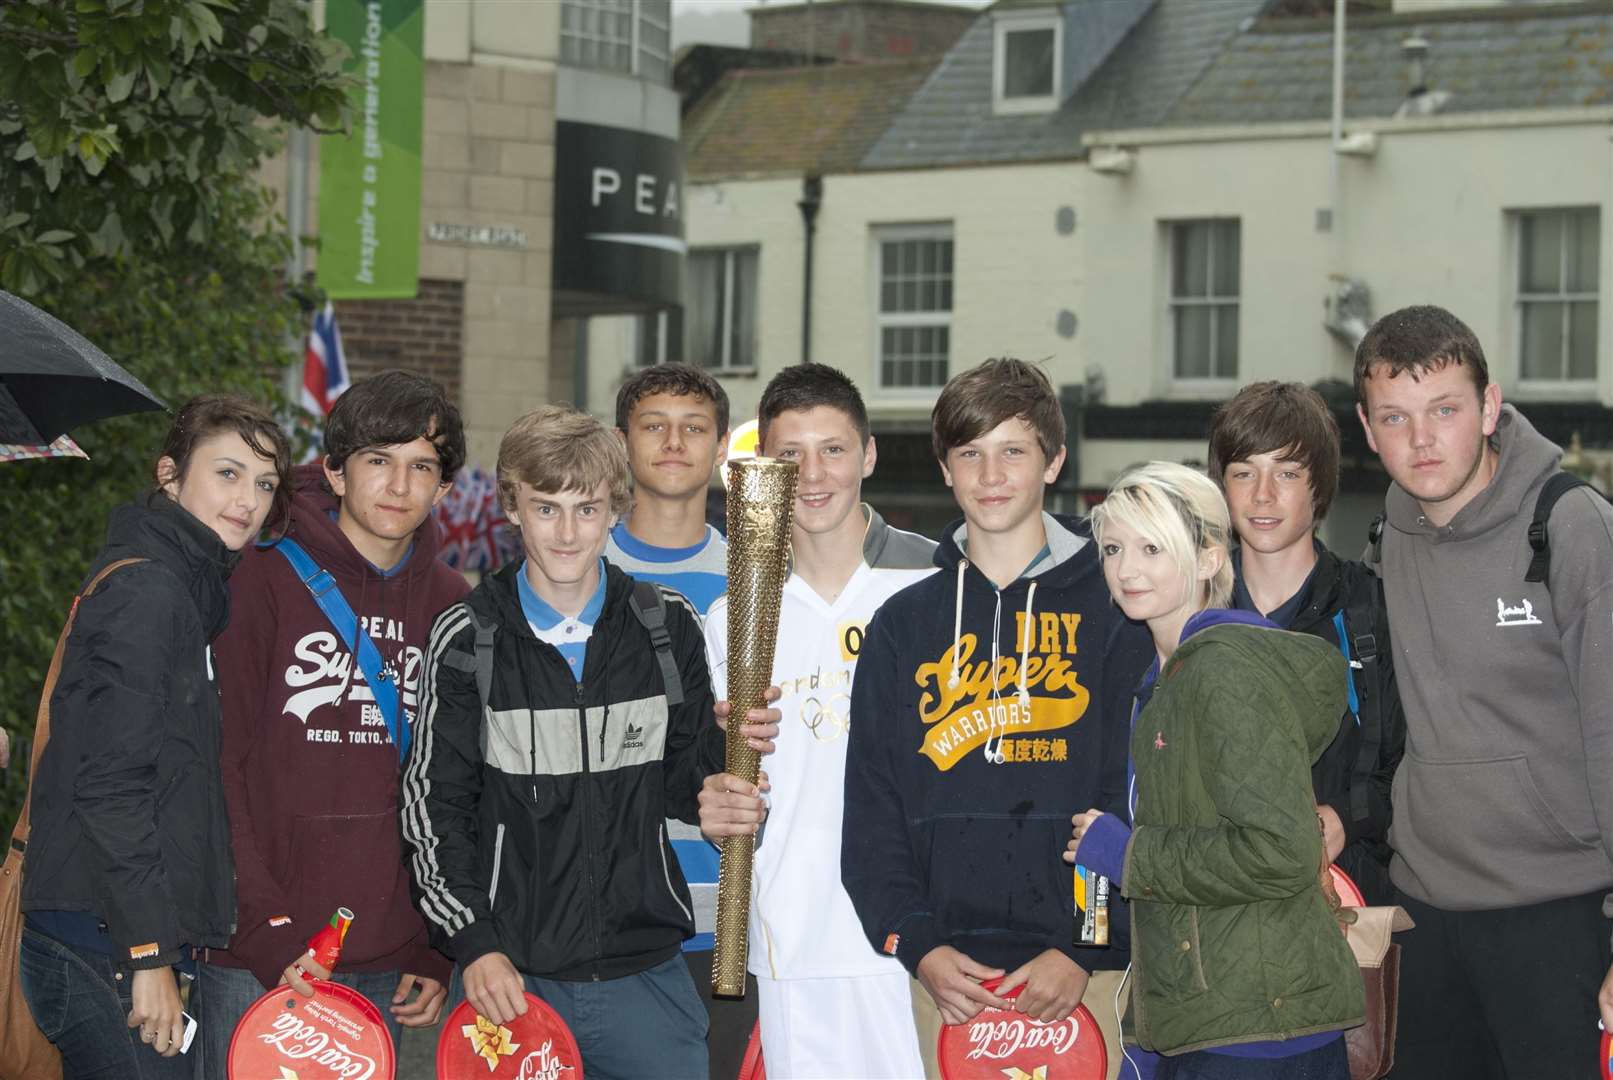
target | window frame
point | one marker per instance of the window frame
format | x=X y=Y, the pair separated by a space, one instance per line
x=1213 y=383
x=1564 y=386
x=638 y=13
x=879 y=236
x=727 y=367
x=1020 y=22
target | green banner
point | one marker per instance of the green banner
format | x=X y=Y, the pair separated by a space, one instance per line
x=369 y=181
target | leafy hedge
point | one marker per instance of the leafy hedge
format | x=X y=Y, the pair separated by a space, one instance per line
x=131 y=133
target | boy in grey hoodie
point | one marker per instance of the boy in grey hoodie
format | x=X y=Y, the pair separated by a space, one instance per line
x=1503 y=828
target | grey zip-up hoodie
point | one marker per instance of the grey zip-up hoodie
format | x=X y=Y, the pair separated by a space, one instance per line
x=1505 y=794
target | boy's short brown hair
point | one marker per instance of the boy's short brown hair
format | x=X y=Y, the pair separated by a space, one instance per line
x=975 y=401
x=681 y=380
x=1271 y=417
x=1419 y=339
x=555 y=449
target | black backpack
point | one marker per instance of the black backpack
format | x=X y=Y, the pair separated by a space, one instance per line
x=649 y=607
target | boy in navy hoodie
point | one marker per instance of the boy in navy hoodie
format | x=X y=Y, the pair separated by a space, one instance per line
x=974 y=740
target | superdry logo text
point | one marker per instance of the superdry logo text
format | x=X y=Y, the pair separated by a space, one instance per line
x=324 y=674
x=984 y=703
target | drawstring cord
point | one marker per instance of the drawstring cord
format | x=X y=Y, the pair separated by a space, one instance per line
x=957 y=626
x=1025 y=645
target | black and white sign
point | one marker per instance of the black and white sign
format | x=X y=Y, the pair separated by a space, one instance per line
x=618 y=215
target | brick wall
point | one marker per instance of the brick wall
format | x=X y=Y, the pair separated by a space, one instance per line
x=421 y=335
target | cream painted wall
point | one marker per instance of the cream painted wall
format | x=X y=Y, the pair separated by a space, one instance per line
x=1013 y=272
x=1424 y=221
x=524 y=33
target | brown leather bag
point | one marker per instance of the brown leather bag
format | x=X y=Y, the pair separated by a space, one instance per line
x=25 y=1053
x=1371 y=1046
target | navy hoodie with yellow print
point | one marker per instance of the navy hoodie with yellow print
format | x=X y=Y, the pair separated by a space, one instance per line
x=973 y=743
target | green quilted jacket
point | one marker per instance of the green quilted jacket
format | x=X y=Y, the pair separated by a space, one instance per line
x=1232 y=941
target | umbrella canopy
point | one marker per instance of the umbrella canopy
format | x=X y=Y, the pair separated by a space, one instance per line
x=52 y=379
x=62 y=447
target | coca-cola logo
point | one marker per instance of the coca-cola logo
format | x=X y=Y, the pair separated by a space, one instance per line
x=542 y=1064
x=999 y=1039
x=302 y=1041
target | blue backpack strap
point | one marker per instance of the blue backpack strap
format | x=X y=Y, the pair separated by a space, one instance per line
x=323 y=588
x=1353 y=700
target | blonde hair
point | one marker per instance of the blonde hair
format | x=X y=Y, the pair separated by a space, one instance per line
x=555 y=449
x=1182 y=511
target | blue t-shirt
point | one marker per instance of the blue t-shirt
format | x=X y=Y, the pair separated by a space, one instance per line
x=699 y=572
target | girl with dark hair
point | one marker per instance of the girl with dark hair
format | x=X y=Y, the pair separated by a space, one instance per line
x=129 y=866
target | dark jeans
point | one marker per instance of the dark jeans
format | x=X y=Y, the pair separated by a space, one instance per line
x=1501 y=995
x=224 y=994
x=646 y=1025
x=731 y=1021
x=80 y=1000
x=1328 y=1062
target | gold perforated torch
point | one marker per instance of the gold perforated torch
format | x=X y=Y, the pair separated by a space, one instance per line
x=761 y=503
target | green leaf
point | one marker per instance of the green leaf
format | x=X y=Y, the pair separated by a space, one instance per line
x=12 y=220
x=256 y=36
x=53 y=172
x=84 y=62
x=54 y=236
x=25 y=152
x=118 y=89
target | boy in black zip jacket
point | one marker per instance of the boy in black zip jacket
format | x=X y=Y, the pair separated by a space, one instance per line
x=975 y=739
x=537 y=816
x=1274 y=452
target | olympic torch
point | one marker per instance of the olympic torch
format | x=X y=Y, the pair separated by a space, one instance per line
x=761 y=503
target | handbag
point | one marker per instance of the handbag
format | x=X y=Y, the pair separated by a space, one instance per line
x=1371 y=1047
x=25 y=1053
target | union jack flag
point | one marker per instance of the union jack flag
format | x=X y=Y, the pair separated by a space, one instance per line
x=324 y=366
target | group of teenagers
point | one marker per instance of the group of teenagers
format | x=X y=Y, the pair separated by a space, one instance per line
x=516 y=788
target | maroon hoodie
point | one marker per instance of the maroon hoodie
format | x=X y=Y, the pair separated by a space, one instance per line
x=310 y=776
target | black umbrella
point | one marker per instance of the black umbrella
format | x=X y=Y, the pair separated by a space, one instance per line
x=53 y=380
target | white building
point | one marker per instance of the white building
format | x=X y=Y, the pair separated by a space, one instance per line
x=1141 y=194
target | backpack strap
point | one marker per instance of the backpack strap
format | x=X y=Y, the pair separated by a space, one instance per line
x=19 y=832
x=1360 y=621
x=1556 y=487
x=650 y=607
x=322 y=586
x=479 y=661
x=1375 y=538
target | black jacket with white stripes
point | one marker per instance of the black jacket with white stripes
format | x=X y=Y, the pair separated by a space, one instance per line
x=535 y=821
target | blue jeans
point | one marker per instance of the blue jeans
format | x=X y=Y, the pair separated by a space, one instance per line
x=649 y=1024
x=1328 y=1062
x=80 y=1000
x=224 y=994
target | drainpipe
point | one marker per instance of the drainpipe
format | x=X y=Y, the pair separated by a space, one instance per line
x=1335 y=186
x=811 y=200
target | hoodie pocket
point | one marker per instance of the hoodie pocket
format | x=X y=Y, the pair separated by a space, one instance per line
x=981 y=880
x=354 y=861
x=1452 y=800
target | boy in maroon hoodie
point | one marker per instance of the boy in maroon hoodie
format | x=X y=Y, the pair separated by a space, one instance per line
x=310 y=771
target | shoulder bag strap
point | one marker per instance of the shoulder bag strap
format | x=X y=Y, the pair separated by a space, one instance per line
x=19 y=833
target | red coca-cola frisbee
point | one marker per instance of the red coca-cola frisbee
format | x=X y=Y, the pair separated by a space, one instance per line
x=1349 y=893
x=337 y=1033
x=1605 y=1058
x=537 y=1046
x=995 y=1043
